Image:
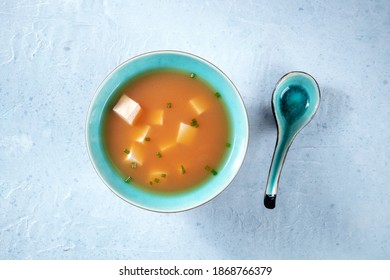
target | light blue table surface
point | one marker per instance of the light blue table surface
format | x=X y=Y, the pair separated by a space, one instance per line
x=334 y=197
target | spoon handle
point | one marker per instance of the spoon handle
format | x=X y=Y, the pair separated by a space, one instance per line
x=282 y=144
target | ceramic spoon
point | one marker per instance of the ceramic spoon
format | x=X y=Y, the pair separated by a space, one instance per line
x=295 y=101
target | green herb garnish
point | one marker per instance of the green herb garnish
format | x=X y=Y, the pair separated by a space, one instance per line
x=194 y=123
x=169 y=105
x=150 y=183
x=193 y=75
x=228 y=145
x=147 y=139
x=157 y=180
x=217 y=95
x=159 y=155
x=163 y=175
x=209 y=169
x=182 y=169
x=126 y=151
x=134 y=165
x=128 y=179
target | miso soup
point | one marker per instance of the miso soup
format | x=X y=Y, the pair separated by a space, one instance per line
x=167 y=131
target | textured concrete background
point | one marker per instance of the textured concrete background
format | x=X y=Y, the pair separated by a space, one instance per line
x=334 y=199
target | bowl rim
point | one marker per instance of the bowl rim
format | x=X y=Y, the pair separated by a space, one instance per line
x=191 y=55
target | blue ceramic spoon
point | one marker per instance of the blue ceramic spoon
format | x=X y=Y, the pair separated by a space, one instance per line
x=295 y=101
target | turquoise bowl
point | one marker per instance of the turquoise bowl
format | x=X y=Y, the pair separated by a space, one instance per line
x=206 y=190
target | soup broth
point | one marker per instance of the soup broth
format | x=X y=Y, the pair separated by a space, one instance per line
x=178 y=138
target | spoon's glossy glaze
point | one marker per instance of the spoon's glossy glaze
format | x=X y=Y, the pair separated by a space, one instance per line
x=295 y=101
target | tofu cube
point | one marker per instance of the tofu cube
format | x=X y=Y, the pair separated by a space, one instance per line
x=127 y=109
x=156 y=117
x=140 y=132
x=186 y=134
x=199 y=105
x=136 y=154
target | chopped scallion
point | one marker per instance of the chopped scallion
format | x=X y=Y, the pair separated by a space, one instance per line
x=228 y=145
x=126 y=151
x=157 y=180
x=193 y=75
x=159 y=155
x=150 y=183
x=147 y=139
x=182 y=169
x=217 y=95
x=134 y=165
x=128 y=179
x=209 y=169
x=194 y=123
x=169 y=105
x=163 y=175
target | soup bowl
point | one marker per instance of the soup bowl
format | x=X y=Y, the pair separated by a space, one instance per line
x=205 y=191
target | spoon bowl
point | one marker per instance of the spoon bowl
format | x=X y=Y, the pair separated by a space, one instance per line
x=295 y=101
